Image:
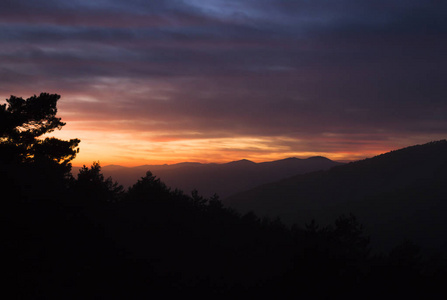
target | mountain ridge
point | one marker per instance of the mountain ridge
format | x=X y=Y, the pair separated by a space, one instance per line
x=404 y=187
x=223 y=179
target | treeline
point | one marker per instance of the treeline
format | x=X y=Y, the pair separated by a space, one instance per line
x=87 y=237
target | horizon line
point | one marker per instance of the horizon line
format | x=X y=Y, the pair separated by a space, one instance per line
x=213 y=163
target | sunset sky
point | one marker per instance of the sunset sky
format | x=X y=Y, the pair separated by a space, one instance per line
x=153 y=82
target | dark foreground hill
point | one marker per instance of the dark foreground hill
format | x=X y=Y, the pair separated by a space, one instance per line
x=397 y=195
x=86 y=238
x=222 y=179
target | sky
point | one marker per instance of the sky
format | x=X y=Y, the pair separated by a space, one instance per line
x=154 y=82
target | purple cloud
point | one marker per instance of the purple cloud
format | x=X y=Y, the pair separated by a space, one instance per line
x=296 y=69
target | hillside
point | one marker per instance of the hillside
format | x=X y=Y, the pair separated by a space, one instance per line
x=223 y=179
x=67 y=238
x=396 y=195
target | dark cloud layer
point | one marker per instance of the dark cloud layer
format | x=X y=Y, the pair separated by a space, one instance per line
x=296 y=69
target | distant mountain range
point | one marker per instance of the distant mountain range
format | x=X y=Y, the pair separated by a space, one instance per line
x=223 y=179
x=397 y=195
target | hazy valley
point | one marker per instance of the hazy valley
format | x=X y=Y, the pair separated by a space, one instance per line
x=221 y=179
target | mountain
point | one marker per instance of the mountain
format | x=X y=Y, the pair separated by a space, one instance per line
x=224 y=179
x=397 y=195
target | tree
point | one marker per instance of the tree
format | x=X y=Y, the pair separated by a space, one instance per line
x=33 y=166
x=91 y=184
x=149 y=188
x=22 y=125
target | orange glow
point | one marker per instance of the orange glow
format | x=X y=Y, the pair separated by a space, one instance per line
x=136 y=148
x=128 y=143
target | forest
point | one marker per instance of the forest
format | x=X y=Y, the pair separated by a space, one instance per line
x=85 y=236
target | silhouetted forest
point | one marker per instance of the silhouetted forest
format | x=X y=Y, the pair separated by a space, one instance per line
x=84 y=236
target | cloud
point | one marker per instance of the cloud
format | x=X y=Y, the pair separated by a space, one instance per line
x=208 y=70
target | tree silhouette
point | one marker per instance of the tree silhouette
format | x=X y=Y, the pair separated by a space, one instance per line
x=149 y=188
x=91 y=184
x=22 y=125
x=32 y=165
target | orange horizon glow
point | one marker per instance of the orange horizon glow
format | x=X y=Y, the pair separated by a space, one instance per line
x=339 y=157
x=110 y=148
x=113 y=142
x=134 y=148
